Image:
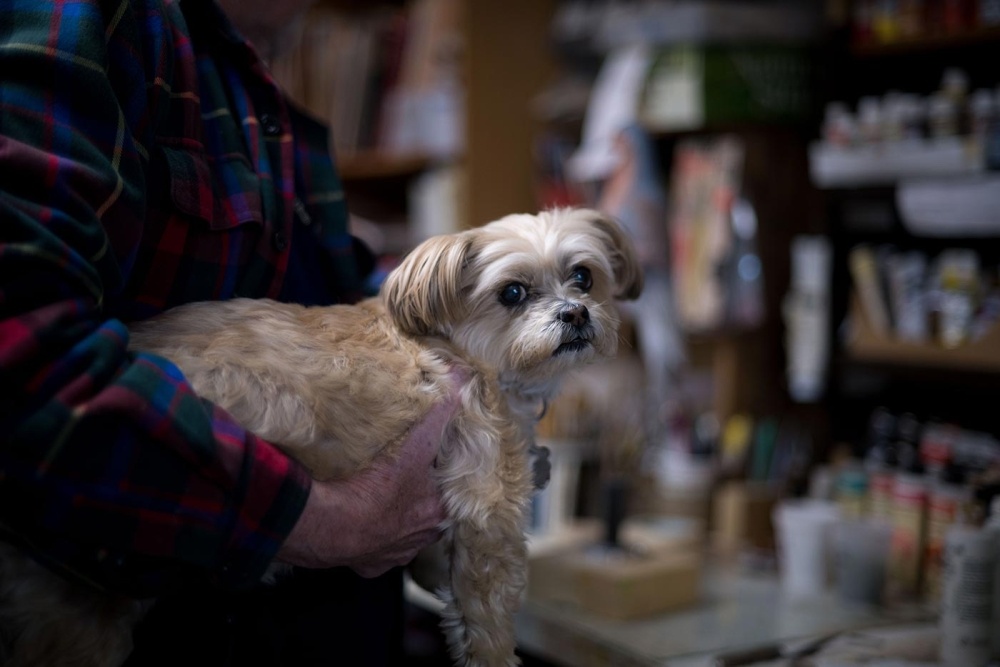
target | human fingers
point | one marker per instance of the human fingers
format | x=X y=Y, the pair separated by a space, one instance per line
x=402 y=554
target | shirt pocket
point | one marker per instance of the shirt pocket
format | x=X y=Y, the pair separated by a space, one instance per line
x=223 y=192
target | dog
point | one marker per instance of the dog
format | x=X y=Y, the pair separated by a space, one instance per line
x=513 y=305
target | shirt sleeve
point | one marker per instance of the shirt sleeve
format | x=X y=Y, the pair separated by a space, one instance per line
x=111 y=468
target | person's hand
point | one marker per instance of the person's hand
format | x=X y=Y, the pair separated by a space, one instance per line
x=382 y=517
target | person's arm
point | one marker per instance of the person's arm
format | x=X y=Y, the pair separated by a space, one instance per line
x=110 y=466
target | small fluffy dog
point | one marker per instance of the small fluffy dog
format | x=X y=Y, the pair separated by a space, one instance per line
x=514 y=305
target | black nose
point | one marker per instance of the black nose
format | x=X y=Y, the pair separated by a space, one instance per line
x=577 y=315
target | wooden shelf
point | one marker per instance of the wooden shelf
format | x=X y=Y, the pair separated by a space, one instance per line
x=917 y=45
x=865 y=345
x=751 y=127
x=374 y=165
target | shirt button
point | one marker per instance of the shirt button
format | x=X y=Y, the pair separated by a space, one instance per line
x=280 y=241
x=270 y=125
x=300 y=210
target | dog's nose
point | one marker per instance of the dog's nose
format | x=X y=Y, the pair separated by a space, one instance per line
x=577 y=315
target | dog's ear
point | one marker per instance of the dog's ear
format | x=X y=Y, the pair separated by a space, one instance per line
x=423 y=293
x=624 y=259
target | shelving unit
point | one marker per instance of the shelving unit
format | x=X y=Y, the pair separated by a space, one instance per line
x=862 y=204
x=372 y=165
x=507 y=64
x=495 y=49
x=907 y=46
x=863 y=344
x=948 y=158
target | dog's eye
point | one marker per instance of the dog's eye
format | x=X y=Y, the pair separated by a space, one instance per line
x=581 y=278
x=513 y=294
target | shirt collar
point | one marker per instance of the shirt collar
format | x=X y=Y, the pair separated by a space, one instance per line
x=209 y=17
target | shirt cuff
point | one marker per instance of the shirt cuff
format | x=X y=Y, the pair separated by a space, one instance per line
x=275 y=489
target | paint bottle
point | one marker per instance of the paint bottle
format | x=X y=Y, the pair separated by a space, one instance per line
x=852 y=490
x=910 y=492
x=966 y=623
x=880 y=463
x=948 y=498
x=992 y=525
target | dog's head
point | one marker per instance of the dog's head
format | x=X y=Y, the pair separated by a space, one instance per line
x=528 y=295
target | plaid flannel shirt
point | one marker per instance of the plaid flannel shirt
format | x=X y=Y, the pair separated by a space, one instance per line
x=147 y=159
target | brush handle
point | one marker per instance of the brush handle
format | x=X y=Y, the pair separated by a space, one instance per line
x=614 y=510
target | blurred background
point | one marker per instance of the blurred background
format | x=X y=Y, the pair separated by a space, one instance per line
x=814 y=191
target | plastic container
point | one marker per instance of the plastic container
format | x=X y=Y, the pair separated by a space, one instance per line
x=861 y=557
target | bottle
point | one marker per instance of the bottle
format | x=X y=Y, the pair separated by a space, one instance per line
x=839 y=127
x=992 y=524
x=982 y=110
x=956 y=16
x=880 y=463
x=948 y=497
x=989 y=13
x=885 y=21
x=911 y=19
x=852 y=490
x=955 y=87
x=958 y=277
x=870 y=120
x=806 y=311
x=991 y=143
x=937 y=446
x=909 y=514
x=942 y=116
x=970 y=563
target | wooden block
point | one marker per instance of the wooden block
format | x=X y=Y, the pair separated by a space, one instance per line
x=636 y=586
x=656 y=574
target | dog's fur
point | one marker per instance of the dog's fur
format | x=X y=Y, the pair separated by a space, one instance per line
x=333 y=385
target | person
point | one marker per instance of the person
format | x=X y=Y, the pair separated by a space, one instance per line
x=149 y=159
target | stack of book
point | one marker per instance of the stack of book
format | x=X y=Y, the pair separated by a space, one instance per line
x=384 y=78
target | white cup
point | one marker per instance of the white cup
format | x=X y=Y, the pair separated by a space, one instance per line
x=802 y=528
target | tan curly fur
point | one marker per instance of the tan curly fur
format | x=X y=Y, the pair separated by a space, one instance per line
x=333 y=385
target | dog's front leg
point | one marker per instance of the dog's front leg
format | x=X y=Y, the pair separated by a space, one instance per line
x=488 y=561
